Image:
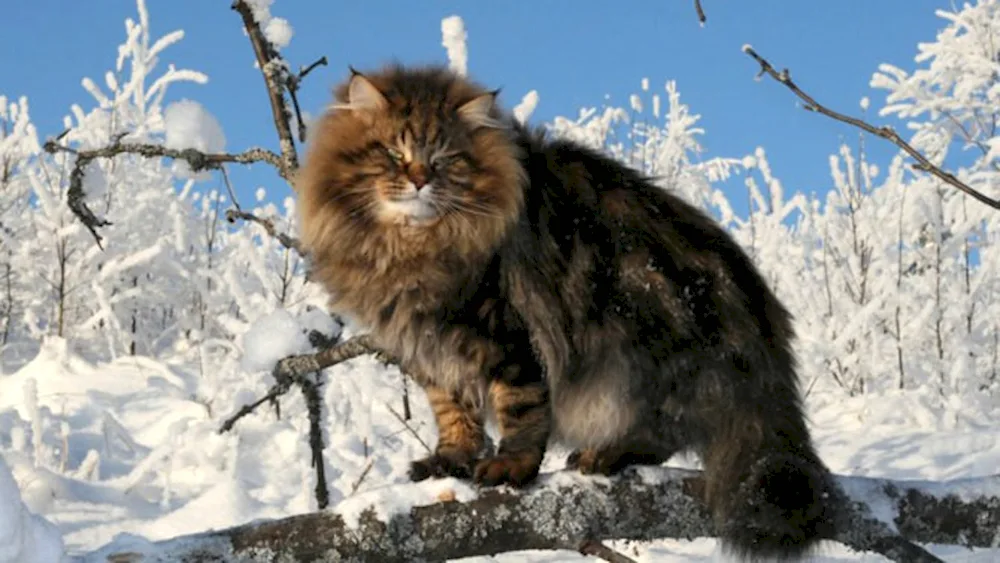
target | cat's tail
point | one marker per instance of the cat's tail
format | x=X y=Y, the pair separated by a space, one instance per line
x=771 y=497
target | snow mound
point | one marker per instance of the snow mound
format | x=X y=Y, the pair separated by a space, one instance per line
x=24 y=537
x=272 y=338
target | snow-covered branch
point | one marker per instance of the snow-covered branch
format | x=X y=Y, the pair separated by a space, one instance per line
x=885 y=132
x=276 y=78
x=565 y=511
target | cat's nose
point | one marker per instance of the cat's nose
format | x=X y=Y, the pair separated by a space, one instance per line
x=418 y=175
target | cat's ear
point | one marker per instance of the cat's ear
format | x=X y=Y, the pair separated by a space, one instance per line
x=362 y=94
x=478 y=111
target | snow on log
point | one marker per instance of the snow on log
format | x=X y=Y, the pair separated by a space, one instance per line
x=563 y=510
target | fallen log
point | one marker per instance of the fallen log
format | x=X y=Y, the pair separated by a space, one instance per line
x=564 y=510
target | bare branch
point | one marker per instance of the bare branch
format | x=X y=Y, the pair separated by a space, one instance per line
x=294 y=366
x=274 y=70
x=407 y=426
x=294 y=369
x=566 y=512
x=701 y=13
x=305 y=71
x=285 y=239
x=292 y=83
x=885 y=132
x=196 y=159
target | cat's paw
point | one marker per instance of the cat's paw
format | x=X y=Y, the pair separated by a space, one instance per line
x=511 y=468
x=590 y=461
x=443 y=463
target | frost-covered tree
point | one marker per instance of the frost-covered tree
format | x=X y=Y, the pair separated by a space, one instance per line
x=18 y=144
x=951 y=102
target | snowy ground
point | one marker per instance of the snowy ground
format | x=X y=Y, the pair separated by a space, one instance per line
x=129 y=452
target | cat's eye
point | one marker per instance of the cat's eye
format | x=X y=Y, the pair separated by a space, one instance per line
x=449 y=159
x=394 y=154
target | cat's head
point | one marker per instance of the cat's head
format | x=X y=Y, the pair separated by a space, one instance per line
x=410 y=149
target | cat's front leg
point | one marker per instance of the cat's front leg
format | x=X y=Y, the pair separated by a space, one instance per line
x=460 y=437
x=524 y=417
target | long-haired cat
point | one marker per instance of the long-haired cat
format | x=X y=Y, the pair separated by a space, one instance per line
x=564 y=291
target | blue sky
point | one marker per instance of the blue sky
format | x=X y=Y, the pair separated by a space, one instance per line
x=573 y=52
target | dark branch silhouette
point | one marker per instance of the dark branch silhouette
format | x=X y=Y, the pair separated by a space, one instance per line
x=885 y=132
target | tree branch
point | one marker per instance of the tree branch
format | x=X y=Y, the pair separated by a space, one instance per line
x=197 y=160
x=294 y=369
x=701 y=13
x=885 y=132
x=274 y=70
x=285 y=239
x=566 y=511
x=292 y=84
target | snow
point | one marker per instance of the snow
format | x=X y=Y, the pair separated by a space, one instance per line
x=453 y=39
x=279 y=32
x=219 y=481
x=190 y=126
x=271 y=338
x=24 y=537
x=523 y=110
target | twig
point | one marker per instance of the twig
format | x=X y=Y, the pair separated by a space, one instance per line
x=408 y=427
x=293 y=370
x=285 y=239
x=701 y=13
x=292 y=83
x=273 y=68
x=361 y=479
x=75 y=198
x=276 y=391
x=885 y=132
x=304 y=71
x=601 y=551
x=229 y=188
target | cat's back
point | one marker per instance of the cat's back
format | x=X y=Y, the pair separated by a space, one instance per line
x=575 y=191
x=608 y=243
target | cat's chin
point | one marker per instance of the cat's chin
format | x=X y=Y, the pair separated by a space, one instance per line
x=411 y=212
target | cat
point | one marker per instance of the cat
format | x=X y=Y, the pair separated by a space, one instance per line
x=565 y=292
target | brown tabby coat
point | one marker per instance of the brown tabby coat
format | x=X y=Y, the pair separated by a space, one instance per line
x=572 y=296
